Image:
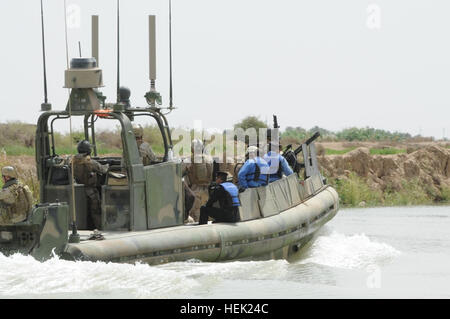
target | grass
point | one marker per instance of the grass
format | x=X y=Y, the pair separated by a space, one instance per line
x=386 y=151
x=445 y=194
x=373 y=151
x=412 y=193
x=18 y=150
x=329 y=151
x=355 y=192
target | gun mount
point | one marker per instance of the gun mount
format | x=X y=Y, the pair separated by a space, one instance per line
x=309 y=156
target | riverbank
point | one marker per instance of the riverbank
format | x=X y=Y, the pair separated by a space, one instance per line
x=362 y=178
x=417 y=176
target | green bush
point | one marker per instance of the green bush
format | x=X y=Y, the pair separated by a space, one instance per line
x=445 y=194
x=412 y=193
x=354 y=190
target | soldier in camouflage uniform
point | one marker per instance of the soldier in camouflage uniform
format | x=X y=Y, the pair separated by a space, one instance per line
x=86 y=171
x=16 y=199
x=198 y=177
x=145 y=150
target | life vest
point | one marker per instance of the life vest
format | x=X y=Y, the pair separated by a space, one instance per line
x=256 y=176
x=233 y=192
x=279 y=173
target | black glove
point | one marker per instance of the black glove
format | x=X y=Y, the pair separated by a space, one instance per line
x=241 y=189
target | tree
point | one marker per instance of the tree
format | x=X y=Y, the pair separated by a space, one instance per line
x=250 y=121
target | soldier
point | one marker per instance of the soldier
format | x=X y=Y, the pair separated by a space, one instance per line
x=86 y=171
x=254 y=172
x=145 y=150
x=227 y=194
x=199 y=175
x=16 y=199
x=277 y=163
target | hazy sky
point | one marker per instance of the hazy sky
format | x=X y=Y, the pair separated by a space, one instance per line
x=335 y=64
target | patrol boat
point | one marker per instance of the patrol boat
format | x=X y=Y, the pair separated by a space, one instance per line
x=142 y=207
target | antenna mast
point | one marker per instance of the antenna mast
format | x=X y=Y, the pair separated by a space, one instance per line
x=152 y=50
x=118 y=51
x=45 y=106
x=170 y=53
x=153 y=97
x=95 y=39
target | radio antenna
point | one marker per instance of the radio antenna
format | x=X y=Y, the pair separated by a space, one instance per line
x=118 y=51
x=79 y=48
x=95 y=38
x=152 y=48
x=170 y=56
x=45 y=106
x=74 y=236
x=153 y=97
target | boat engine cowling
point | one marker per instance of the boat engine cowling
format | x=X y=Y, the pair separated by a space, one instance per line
x=44 y=233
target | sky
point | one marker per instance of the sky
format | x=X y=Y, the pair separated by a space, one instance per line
x=335 y=64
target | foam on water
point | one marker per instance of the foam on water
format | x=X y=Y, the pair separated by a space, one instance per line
x=23 y=276
x=349 y=251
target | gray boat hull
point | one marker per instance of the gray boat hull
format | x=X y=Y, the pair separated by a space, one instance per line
x=276 y=237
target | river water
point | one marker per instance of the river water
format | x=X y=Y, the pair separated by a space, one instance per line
x=362 y=253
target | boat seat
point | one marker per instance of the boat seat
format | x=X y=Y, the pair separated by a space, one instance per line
x=294 y=188
x=249 y=209
x=267 y=203
x=281 y=194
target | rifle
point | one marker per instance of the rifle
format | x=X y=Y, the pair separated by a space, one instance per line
x=275 y=122
x=291 y=155
x=215 y=171
x=276 y=128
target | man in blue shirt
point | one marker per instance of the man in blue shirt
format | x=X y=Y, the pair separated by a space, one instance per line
x=227 y=195
x=254 y=172
x=277 y=163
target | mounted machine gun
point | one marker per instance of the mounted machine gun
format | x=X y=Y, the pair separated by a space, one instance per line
x=309 y=155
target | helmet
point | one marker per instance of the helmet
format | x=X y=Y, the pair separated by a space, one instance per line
x=138 y=131
x=84 y=147
x=252 y=149
x=9 y=171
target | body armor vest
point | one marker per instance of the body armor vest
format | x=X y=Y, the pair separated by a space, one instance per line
x=23 y=202
x=83 y=171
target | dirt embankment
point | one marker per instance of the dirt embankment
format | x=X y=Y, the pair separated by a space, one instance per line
x=428 y=166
